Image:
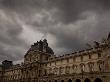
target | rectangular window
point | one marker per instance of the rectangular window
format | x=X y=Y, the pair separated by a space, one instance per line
x=99 y=55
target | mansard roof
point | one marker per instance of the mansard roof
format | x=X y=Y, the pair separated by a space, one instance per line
x=41 y=46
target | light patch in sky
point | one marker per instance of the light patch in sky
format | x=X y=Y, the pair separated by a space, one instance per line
x=30 y=35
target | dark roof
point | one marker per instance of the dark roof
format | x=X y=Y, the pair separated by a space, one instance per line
x=41 y=46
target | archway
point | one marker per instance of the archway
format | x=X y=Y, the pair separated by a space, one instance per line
x=98 y=80
x=87 y=80
x=55 y=81
x=62 y=80
x=49 y=81
x=77 y=80
x=69 y=80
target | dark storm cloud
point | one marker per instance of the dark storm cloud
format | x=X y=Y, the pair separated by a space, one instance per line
x=69 y=10
x=24 y=7
x=73 y=23
x=11 y=47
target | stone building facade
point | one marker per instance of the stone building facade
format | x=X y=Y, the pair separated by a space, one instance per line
x=41 y=65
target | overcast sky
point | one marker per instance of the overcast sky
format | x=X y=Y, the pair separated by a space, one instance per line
x=67 y=24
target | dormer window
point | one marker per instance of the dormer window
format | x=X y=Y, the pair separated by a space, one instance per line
x=99 y=55
x=89 y=56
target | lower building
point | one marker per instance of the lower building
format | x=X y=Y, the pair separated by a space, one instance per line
x=41 y=65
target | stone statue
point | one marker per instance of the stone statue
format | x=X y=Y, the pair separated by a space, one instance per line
x=96 y=44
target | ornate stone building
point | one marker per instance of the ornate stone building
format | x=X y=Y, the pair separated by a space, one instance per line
x=41 y=65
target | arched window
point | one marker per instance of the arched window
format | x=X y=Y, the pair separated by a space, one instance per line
x=55 y=70
x=45 y=72
x=40 y=72
x=98 y=80
x=50 y=70
x=82 y=66
x=55 y=81
x=69 y=80
x=91 y=66
x=100 y=65
x=77 y=80
x=74 y=67
x=87 y=80
x=62 y=80
x=61 y=69
x=67 y=69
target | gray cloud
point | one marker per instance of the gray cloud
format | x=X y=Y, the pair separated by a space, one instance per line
x=10 y=44
x=70 y=23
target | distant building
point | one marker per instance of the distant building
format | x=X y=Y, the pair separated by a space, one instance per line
x=41 y=65
x=7 y=64
x=0 y=71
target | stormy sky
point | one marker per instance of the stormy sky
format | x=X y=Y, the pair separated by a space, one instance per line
x=67 y=24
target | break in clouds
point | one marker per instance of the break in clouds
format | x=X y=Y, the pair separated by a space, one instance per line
x=67 y=24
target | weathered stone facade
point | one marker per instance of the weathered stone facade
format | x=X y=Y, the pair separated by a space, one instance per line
x=41 y=65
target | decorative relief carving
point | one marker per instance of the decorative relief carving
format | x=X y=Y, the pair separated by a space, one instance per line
x=55 y=70
x=61 y=70
x=91 y=66
x=100 y=65
x=67 y=69
x=74 y=67
x=82 y=67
